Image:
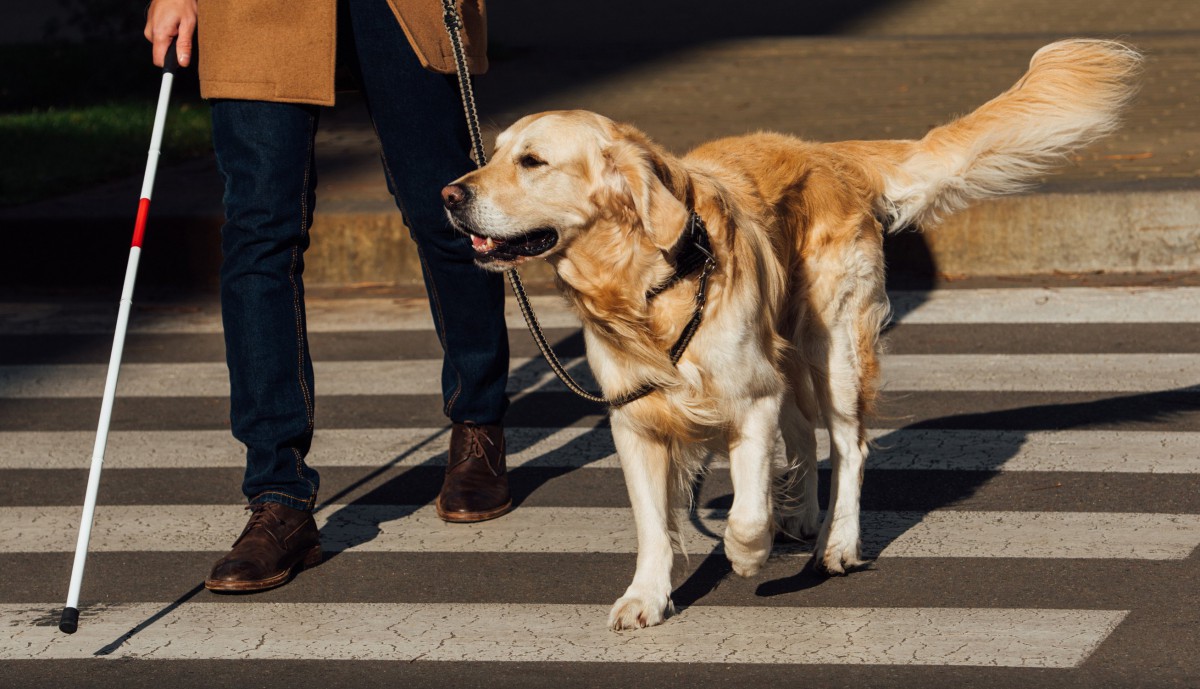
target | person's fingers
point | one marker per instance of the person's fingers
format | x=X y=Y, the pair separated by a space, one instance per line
x=161 y=40
x=183 y=48
x=148 y=32
x=156 y=25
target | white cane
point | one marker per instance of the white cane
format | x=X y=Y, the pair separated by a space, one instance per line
x=70 y=615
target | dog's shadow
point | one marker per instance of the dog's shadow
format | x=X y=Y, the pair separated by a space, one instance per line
x=932 y=490
x=912 y=494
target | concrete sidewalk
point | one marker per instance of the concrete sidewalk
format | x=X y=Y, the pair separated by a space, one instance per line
x=876 y=70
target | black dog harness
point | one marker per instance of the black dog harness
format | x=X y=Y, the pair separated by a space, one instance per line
x=692 y=252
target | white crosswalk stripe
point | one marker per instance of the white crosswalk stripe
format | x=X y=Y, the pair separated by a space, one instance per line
x=1146 y=452
x=572 y=633
x=410 y=528
x=1015 y=305
x=786 y=629
x=1049 y=305
x=948 y=372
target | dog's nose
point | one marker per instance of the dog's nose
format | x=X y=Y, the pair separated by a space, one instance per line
x=454 y=195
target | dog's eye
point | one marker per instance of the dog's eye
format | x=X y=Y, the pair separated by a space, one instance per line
x=531 y=161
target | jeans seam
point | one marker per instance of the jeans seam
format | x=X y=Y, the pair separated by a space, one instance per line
x=298 y=307
x=300 y=473
x=305 y=392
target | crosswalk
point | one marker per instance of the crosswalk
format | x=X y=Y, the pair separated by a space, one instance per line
x=1033 y=502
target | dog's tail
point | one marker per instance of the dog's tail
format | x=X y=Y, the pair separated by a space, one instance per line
x=1073 y=94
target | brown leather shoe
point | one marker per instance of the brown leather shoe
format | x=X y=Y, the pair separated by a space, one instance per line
x=476 y=485
x=277 y=542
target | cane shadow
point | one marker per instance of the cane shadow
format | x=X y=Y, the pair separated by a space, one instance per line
x=116 y=644
x=1152 y=408
x=361 y=521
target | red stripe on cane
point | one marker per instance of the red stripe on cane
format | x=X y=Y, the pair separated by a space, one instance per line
x=139 y=228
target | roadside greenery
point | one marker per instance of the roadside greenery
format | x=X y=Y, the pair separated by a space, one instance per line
x=80 y=114
x=55 y=151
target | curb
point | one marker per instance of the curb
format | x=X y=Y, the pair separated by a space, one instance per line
x=1032 y=234
x=1037 y=234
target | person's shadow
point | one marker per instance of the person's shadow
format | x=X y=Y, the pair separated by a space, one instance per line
x=359 y=521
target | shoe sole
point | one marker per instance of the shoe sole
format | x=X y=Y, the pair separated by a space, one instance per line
x=311 y=558
x=472 y=517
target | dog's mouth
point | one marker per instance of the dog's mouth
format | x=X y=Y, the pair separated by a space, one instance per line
x=528 y=245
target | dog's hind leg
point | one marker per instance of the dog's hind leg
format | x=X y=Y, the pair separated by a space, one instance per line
x=748 y=531
x=838 y=545
x=646 y=463
x=797 y=514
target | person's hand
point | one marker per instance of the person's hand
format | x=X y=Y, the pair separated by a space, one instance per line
x=168 y=19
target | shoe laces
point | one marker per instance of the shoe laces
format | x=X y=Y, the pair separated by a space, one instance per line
x=259 y=515
x=260 y=518
x=475 y=447
x=476 y=437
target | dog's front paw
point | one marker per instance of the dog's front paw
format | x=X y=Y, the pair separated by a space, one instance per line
x=634 y=611
x=747 y=549
x=837 y=562
x=837 y=550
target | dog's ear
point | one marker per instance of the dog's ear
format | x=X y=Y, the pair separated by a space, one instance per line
x=652 y=181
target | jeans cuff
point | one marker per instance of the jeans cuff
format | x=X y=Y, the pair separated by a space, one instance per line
x=285 y=500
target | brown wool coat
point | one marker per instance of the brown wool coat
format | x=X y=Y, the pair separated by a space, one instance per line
x=286 y=51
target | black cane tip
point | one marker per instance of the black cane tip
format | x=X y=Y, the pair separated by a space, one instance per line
x=70 y=621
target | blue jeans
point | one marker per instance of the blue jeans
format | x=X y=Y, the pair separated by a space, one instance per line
x=265 y=155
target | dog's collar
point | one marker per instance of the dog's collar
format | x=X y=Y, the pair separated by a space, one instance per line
x=691 y=252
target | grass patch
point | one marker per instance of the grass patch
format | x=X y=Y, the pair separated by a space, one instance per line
x=81 y=112
x=56 y=151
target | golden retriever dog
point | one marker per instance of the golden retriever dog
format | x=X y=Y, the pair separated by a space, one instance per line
x=789 y=337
